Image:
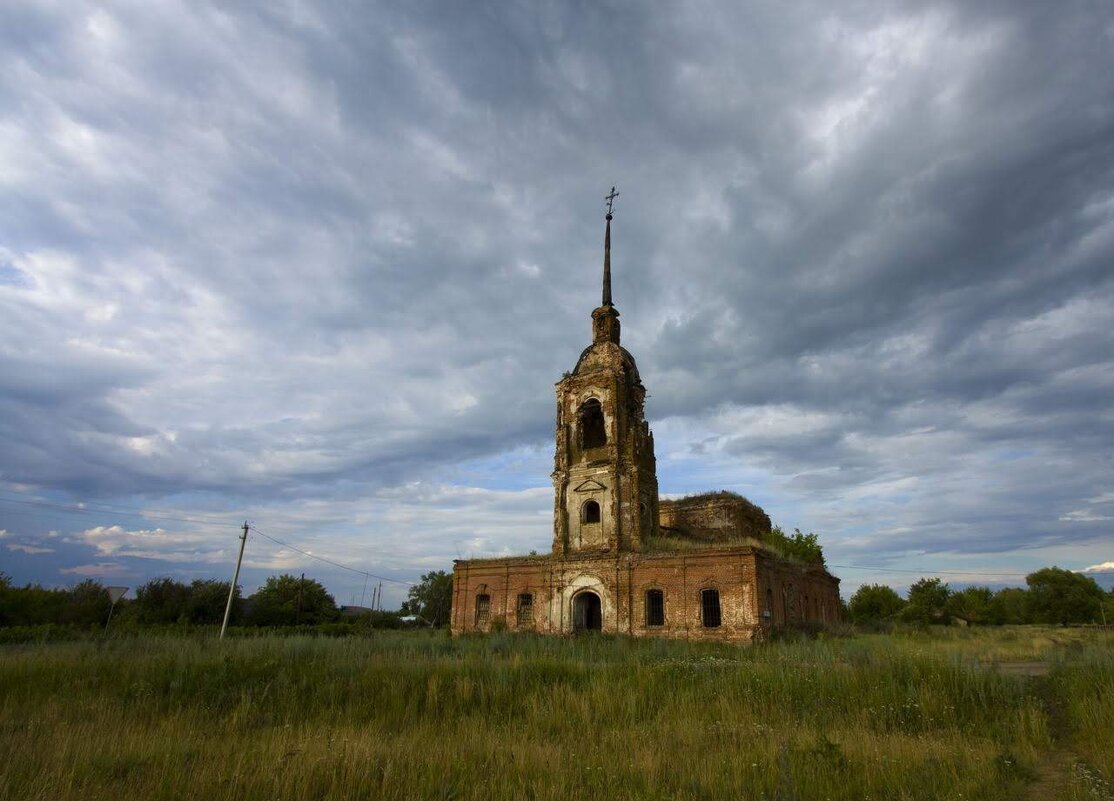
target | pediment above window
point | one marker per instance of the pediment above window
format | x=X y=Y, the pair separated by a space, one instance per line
x=591 y=485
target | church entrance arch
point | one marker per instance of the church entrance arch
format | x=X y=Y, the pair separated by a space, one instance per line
x=586 y=612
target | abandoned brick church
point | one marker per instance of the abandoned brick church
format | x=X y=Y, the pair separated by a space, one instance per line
x=624 y=561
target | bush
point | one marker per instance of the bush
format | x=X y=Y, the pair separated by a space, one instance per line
x=874 y=603
x=799 y=546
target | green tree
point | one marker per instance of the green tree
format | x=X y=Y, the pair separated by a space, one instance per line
x=1009 y=606
x=874 y=603
x=207 y=599
x=7 y=600
x=1061 y=596
x=288 y=600
x=431 y=599
x=971 y=604
x=31 y=605
x=161 y=601
x=799 y=546
x=928 y=601
x=87 y=603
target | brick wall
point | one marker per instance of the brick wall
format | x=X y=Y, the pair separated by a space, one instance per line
x=749 y=582
x=713 y=518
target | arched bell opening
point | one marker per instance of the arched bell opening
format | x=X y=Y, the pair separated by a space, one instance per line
x=593 y=432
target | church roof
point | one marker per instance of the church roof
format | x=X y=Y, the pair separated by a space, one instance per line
x=600 y=355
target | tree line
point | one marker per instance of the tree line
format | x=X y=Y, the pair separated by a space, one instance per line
x=1051 y=595
x=284 y=600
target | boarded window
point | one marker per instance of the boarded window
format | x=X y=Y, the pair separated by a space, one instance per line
x=655 y=608
x=525 y=609
x=591 y=512
x=593 y=434
x=709 y=608
x=483 y=609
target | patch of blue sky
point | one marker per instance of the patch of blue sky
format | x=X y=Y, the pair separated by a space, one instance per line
x=522 y=468
x=10 y=275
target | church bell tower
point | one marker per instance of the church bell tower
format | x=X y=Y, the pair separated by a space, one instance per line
x=604 y=473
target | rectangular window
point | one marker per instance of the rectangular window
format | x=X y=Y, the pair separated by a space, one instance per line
x=709 y=608
x=655 y=608
x=525 y=609
x=483 y=610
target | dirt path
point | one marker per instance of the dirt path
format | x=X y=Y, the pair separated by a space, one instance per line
x=1059 y=767
x=1054 y=771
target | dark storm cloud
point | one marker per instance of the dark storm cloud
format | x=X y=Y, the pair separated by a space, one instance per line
x=285 y=254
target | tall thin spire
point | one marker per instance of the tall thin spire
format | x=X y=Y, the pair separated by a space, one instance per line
x=605 y=319
x=607 y=264
x=607 y=250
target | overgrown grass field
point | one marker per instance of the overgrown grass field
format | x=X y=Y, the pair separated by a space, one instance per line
x=422 y=716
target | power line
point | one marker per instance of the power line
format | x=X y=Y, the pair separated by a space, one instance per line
x=328 y=561
x=158 y=514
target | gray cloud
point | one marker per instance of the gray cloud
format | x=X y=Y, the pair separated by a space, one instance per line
x=263 y=257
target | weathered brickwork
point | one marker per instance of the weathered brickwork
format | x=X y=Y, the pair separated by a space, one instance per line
x=750 y=583
x=715 y=517
x=602 y=574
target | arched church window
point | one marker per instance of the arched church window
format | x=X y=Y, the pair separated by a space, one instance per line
x=655 y=608
x=483 y=609
x=593 y=434
x=525 y=609
x=591 y=512
x=709 y=608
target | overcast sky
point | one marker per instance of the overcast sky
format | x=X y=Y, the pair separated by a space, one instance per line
x=319 y=267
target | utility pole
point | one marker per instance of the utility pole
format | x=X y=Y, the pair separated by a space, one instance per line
x=379 y=597
x=235 y=578
x=301 y=583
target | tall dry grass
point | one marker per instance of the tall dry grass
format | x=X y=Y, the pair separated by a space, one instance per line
x=419 y=715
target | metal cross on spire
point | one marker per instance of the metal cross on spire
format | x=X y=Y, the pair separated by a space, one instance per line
x=607 y=250
x=610 y=201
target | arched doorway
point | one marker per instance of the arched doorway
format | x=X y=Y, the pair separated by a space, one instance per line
x=586 y=613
